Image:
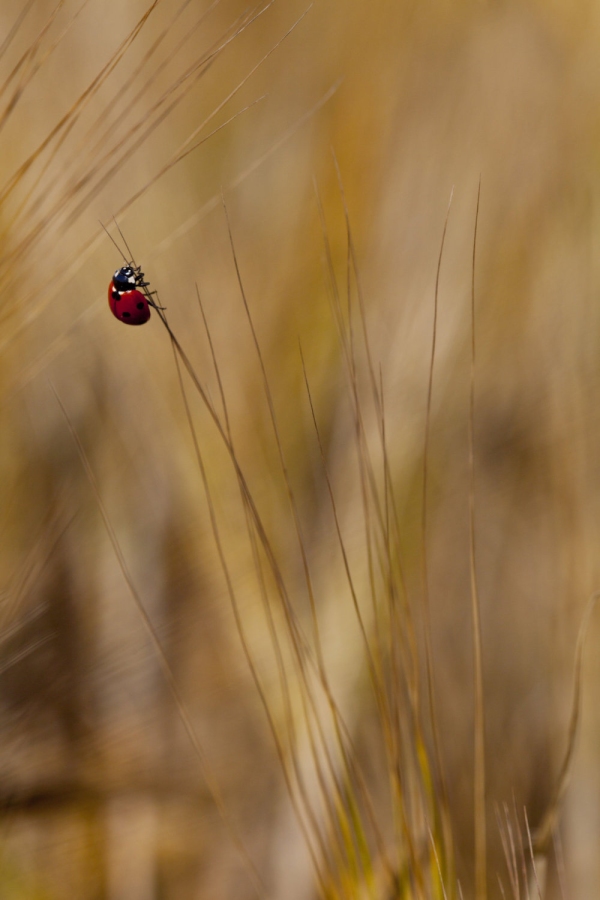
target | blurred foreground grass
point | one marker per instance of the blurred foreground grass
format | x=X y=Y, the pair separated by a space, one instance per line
x=101 y=791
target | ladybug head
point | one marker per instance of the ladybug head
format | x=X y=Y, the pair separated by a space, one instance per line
x=124 y=279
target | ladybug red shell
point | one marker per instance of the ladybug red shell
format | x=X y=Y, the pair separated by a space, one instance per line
x=128 y=304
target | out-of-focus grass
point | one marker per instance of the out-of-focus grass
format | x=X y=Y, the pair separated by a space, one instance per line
x=101 y=792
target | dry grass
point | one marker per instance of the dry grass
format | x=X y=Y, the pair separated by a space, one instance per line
x=244 y=558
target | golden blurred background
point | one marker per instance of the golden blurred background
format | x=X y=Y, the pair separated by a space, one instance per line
x=385 y=108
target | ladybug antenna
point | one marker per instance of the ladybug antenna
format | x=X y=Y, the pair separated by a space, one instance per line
x=113 y=240
x=128 y=248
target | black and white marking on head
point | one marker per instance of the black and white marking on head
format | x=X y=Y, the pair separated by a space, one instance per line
x=124 y=279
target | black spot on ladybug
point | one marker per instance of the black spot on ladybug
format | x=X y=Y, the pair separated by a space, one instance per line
x=116 y=295
x=126 y=315
x=140 y=306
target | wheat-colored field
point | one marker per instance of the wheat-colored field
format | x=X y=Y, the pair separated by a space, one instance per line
x=292 y=577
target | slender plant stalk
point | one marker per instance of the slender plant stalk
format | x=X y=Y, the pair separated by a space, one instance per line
x=479 y=718
x=429 y=656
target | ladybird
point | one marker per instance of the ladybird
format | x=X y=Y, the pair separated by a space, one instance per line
x=127 y=303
